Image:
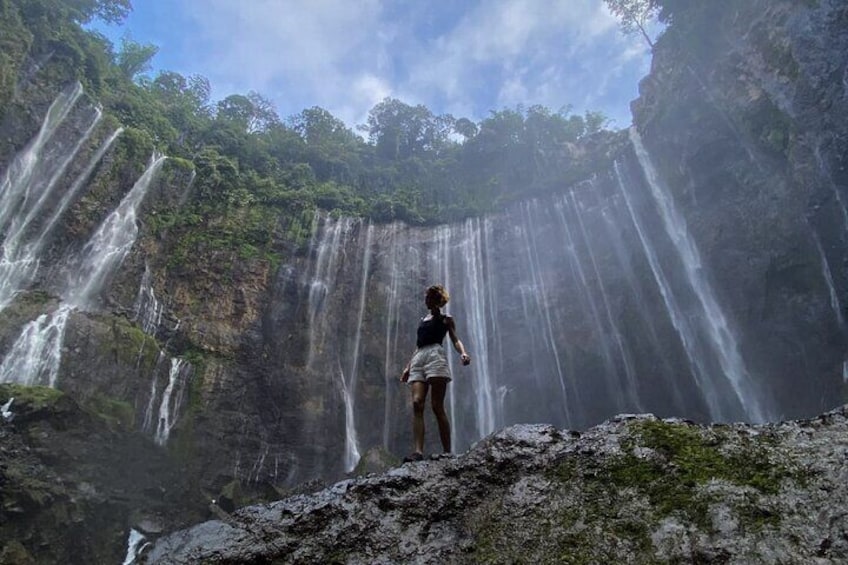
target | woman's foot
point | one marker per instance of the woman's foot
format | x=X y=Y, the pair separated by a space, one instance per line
x=412 y=457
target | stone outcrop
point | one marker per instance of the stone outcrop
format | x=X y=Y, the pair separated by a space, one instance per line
x=74 y=477
x=632 y=490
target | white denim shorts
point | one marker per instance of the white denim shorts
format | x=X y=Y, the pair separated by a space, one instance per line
x=429 y=362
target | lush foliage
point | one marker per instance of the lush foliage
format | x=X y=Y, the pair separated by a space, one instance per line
x=405 y=163
x=635 y=15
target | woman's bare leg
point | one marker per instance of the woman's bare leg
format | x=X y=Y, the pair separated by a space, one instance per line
x=440 y=389
x=419 y=400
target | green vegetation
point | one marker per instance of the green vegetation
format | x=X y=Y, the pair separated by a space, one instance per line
x=116 y=413
x=634 y=16
x=602 y=507
x=676 y=461
x=687 y=459
x=256 y=172
x=36 y=397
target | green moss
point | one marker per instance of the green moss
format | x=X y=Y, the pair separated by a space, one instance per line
x=117 y=414
x=687 y=458
x=35 y=297
x=130 y=344
x=584 y=519
x=37 y=397
x=603 y=499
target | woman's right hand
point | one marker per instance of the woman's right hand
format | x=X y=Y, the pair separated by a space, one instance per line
x=405 y=375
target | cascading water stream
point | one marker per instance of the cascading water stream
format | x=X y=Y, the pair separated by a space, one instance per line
x=610 y=368
x=32 y=195
x=323 y=282
x=827 y=275
x=392 y=329
x=721 y=337
x=540 y=295
x=631 y=389
x=136 y=542
x=110 y=244
x=349 y=386
x=17 y=180
x=172 y=398
x=613 y=234
x=680 y=322
x=147 y=423
x=35 y=356
x=148 y=310
x=475 y=312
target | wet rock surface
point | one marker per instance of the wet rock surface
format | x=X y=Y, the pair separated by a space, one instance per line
x=632 y=490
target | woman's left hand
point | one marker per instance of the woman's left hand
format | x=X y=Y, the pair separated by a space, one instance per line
x=465 y=358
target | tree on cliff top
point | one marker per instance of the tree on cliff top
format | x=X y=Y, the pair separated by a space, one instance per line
x=635 y=15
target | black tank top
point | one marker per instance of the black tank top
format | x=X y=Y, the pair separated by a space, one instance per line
x=432 y=331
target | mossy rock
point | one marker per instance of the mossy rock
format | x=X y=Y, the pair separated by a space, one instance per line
x=35 y=398
x=117 y=414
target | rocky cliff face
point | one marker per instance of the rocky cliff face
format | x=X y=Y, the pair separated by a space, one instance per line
x=744 y=115
x=72 y=476
x=632 y=490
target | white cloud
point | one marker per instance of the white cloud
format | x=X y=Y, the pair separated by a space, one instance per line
x=523 y=51
x=464 y=59
x=280 y=47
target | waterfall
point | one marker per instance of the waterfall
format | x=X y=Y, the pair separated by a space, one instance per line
x=720 y=336
x=30 y=190
x=610 y=369
x=539 y=293
x=681 y=322
x=828 y=279
x=390 y=365
x=6 y=410
x=135 y=545
x=172 y=399
x=17 y=183
x=36 y=355
x=349 y=387
x=475 y=318
x=148 y=310
x=105 y=251
x=323 y=281
x=630 y=389
x=147 y=423
x=659 y=351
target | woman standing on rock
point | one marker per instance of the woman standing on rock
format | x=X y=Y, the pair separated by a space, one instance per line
x=428 y=369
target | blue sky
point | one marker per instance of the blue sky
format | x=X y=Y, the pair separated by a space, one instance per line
x=466 y=58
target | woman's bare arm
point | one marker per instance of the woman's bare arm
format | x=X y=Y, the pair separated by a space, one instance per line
x=457 y=344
